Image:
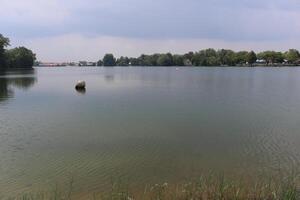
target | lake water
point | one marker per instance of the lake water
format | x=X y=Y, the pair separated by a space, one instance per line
x=145 y=124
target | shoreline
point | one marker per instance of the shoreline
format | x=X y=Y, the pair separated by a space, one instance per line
x=238 y=66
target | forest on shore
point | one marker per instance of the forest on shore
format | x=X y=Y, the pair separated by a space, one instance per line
x=207 y=57
x=21 y=57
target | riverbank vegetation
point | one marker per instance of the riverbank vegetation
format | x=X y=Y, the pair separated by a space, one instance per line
x=19 y=57
x=208 y=57
x=209 y=187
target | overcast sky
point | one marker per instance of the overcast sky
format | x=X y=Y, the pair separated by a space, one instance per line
x=72 y=30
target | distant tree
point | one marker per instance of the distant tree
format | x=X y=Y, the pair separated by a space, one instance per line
x=241 y=57
x=165 y=60
x=147 y=60
x=271 y=57
x=213 y=61
x=251 y=58
x=143 y=61
x=123 y=61
x=100 y=63
x=279 y=57
x=292 y=56
x=206 y=57
x=20 y=57
x=178 y=60
x=4 y=42
x=188 y=56
x=133 y=62
x=199 y=59
x=153 y=59
x=109 y=60
x=226 y=57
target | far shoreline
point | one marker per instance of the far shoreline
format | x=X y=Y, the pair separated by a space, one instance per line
x=238 y=66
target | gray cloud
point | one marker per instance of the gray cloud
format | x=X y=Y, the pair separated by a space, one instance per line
x=248 y=21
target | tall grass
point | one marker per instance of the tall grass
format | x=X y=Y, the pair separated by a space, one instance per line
x=209 y=187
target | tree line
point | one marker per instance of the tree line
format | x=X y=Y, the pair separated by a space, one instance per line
x=19 y=57
x=206 y=57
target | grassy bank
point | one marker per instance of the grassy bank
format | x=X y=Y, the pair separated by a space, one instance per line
x=210 y=187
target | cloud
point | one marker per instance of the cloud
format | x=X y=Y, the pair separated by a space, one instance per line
x=140 y=23
x=41 y=12
x=155 y=19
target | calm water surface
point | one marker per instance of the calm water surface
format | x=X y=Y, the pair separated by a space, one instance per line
x=146 y=125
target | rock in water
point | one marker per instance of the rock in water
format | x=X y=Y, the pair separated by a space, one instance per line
x=80 y=90
x=80 y=85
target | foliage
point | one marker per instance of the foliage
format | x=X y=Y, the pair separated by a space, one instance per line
x=165 y=60
x=148 y=60
x=292 y=56
x=19 y=57
x=134 y=61
x=4 y=42
x=271 y=57
x=100 y=63
x=251 y=58
x=206 y=57
x=226 y=57
x=123 y=61
x=241 y=57
x=178 y=60
x=109 y=60
x=209 y=57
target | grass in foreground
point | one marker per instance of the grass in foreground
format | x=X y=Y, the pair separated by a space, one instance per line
x=209 y=187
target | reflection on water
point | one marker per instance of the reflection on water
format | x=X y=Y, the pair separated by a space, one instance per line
x=109 y=78
x=80 y=90
x=9 y=80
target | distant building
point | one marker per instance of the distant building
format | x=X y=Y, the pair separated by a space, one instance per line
x=52 y=64
x=86 y=63
x=82 y=63
x=48 y=64
x=261 y=61
x=91 y=64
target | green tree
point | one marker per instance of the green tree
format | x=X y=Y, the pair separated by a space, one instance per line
x=133 y=62
x=143 y=60
x=20 y=57
x=206 y=57
x=241 y=57
x=251 y=58
x=178 y=60
x=100 y=63
x=271 y=57
x=226 y=57
x=188 y=56
x=123 y=61
x=148 y=60
x=165 y=60
x=109 y=60
x=4 y=42
x=292 y=56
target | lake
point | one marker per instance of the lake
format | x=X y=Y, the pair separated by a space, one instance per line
x=145 y=124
